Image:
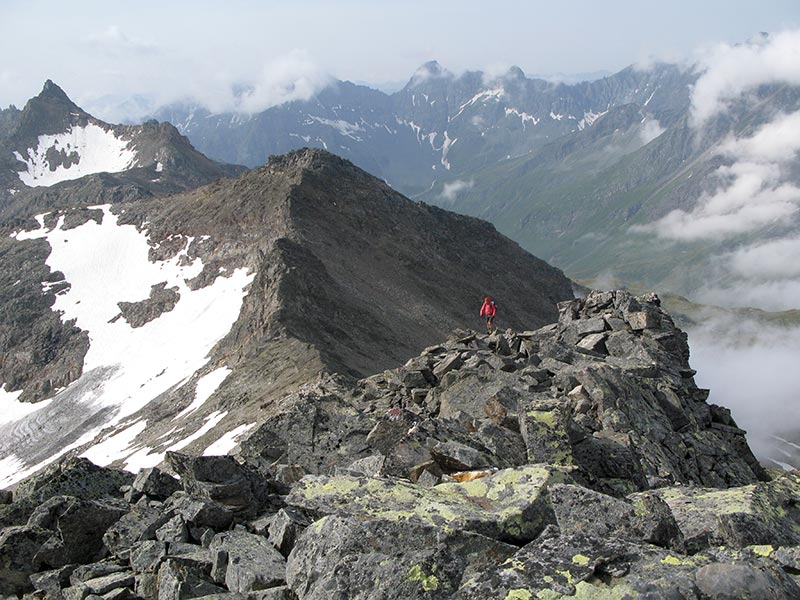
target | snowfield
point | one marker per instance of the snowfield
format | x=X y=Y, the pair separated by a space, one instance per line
x=90 y=149
x=125 y=367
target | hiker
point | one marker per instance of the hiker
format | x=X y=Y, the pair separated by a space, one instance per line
x=489 y=310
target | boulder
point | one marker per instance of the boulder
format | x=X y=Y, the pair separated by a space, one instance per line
x=177 y=580
x=580 y=566
x=18 y=547
x=77 y=477
x=53 y=581
x=77 y=527
x=154 y=483
x=141 y=523
x=251 y=563
x=387 y=559
x=579 y=510
x=237 y=487
x=511 y=504
x=284 y=529
x=757 y=514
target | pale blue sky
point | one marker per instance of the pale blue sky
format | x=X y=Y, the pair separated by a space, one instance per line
x=168 y=49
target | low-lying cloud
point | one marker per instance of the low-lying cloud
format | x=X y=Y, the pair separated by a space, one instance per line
x=752 y=192
x=294 y=76
x=751 y=368
x=728 y=71
x=452 y=189
x=650 y=130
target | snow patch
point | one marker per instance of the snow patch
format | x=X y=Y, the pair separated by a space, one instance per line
x=212 y=421
x=524 y=117
x=346 y=128
x=11 y=409
x=90 y=149
x=482 y=96
x=589 y=119
x=125 y=368
x=448 y=143
x=115 y=446
x=206 y=386
x=228 y=441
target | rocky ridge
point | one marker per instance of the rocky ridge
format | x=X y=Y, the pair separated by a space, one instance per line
x=577 y=460
x=343 y=275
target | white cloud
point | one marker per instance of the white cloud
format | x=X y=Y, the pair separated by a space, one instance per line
x=452 y=189
x=772 y=260
x=774 y=295
x=114 y=41
x=650 y=130
x=294 y=76
x=752 y=193
x=751 y=368
x=728 y=70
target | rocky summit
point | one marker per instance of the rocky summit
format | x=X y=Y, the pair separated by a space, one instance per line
x=576 y=460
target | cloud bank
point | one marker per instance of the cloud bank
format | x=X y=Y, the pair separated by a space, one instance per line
x=728 y=71
x=752 y=192
x=751 y=368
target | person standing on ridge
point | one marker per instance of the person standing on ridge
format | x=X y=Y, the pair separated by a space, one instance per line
x=489 y=310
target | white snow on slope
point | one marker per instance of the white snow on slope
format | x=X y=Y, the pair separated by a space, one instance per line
x=524 y=117
x=97 y=150
x=12 y=409
x=211 y=421
x=589 y=119
x=115 y=445
x=346 y=128
x=482 y=96
x=228 y=441
x=206 y=386
x=107 y=263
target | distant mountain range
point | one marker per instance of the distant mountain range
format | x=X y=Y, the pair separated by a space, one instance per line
x=564 y=169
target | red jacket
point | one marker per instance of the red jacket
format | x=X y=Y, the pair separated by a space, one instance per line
x=488 y=309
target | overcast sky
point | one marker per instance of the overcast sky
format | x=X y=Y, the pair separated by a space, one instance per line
x=171 y=49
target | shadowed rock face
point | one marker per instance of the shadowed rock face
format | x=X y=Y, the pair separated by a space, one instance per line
x=540 y=463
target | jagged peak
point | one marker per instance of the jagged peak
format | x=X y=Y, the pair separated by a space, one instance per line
x=427 y=71
x=514 y=72
x=51 y=90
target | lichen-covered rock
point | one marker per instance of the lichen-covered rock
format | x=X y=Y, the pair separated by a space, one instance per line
x=340 y=558
x=579 y=510
x=579 y=566
x=76 y=477
x=511 y=504
x=763 y=513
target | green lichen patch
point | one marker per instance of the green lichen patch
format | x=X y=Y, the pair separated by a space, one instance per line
x=430 y=583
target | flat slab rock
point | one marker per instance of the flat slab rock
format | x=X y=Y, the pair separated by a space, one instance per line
x=579 y=566
x=763 y=513
x=510 y=504
x=387 y=559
